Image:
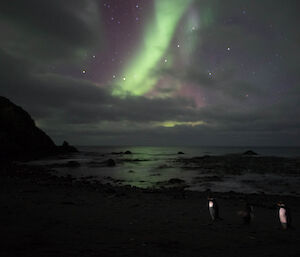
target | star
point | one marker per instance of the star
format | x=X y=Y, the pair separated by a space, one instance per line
x=228 y=48
x=83 y=71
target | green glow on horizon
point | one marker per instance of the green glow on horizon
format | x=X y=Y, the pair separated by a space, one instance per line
x=137 y=78
x=171 y=124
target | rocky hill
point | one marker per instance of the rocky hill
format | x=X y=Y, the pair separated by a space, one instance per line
x=20 y=138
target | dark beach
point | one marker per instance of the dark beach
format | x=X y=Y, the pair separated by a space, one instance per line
x=45 y=215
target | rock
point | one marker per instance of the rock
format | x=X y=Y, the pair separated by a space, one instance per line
x=180 y=153
x=134 y=160
x=95 y=164
x=164 y=166
x=66 y=148
x=176 y=181
x=20 y=138
x=119 y=153
x=110 y=163
x=250 y=152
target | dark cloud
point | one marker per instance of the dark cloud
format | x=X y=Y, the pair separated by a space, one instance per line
x=49 y=29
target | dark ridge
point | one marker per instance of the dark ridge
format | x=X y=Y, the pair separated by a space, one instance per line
x=21 y=139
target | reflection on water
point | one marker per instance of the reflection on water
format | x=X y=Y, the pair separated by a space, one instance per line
x=150 y=166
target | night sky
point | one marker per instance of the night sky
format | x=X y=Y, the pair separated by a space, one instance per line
x=155 y=72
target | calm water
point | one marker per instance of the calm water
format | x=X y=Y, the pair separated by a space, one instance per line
x=148 y=166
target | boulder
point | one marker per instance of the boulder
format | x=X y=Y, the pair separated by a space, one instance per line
x=180 y=153
x=110 y=163
x=127 y=152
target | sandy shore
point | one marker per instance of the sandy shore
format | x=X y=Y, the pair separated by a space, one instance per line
x=42 y=215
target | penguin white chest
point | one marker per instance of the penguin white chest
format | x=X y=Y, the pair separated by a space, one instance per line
x=282 y=215
x=211 y=204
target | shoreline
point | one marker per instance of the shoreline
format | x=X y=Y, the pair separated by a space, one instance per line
x=223 y=173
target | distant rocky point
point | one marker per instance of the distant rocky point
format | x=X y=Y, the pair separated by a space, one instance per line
x=21 y=139
x=249 y=152
x=66 y=148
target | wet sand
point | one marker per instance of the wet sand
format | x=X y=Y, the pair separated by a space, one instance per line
x=42 y=215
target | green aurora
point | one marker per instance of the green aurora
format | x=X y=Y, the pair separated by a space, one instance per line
x=137 y=78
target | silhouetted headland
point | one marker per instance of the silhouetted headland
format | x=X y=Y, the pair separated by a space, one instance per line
x=21 y=139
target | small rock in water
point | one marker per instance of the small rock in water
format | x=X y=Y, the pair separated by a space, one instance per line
x=127 y=152
x=164 y=166
x=110 y=163
x=249 y=152
x=176 y=181
x=180 y=153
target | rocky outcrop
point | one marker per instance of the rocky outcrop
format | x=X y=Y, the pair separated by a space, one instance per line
x=20 y=138
x=66 y=148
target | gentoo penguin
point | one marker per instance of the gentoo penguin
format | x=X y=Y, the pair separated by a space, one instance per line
x=284 y=215
x=213 y=208
x=247 y=213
